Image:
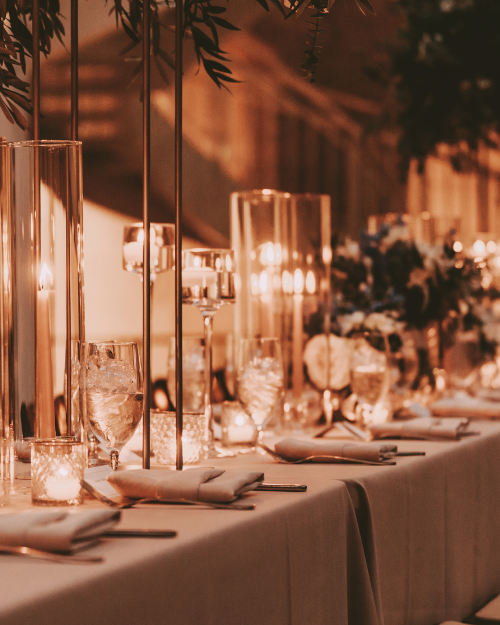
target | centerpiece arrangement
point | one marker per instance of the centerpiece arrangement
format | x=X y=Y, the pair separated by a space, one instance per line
x=433 y=295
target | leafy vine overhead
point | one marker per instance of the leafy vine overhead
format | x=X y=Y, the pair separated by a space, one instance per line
x=448 y=78
x=202 y=21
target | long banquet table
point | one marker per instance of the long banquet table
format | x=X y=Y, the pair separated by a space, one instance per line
x=412 y=544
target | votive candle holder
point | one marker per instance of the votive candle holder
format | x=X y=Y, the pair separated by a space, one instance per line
x=57 y=472
x=163 y=436
x=237 y=427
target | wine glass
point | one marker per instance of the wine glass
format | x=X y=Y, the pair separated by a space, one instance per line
x=208 y=284
x=369 y=372
x=114 y=393
x=259 y=378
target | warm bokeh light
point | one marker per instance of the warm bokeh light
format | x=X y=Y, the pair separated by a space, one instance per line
x=491 y=247
x=457 y=246
x=263 y=282
x=479 y=247
x=310 y=282
x=298 y=281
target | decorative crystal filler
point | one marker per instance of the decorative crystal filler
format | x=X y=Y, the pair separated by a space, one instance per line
x=163 y=436
x=57 y=472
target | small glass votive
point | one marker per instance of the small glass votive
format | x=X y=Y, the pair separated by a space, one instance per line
x=163 y=436
x=57 y=472
x=238 y=428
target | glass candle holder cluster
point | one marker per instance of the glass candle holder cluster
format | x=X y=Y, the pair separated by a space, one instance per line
x=163 y=436
x=57 y=472
x=282 y=247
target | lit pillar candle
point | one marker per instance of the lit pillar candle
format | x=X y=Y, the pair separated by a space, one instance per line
x=297 y=335
x=44 y=385
x=203 y=277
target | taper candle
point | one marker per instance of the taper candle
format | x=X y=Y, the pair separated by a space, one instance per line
x=45 y=413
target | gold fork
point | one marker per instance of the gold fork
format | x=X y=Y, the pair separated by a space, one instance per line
x=325 y=457
x=47 y=555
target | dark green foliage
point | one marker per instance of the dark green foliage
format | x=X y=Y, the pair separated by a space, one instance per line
x=448 y=78
x=202 y=21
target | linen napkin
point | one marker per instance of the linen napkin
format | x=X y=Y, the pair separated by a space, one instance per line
x=200 y=484
x=297 y=449
x=424 y=428
x=464 y=405
x=56 y=530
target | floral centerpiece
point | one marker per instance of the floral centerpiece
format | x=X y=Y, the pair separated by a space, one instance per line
x=389 y=283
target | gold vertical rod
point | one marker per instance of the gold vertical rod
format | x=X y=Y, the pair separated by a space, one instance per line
x=69 y=226
x=179 y=13
x=36 y=179
x=70 y=217
x=146 y=291
x=74 y=70
x=36 y=69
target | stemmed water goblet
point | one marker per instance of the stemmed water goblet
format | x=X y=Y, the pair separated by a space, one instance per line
x=208 y=284
x=369 y=372
x=114 y=393
x=259 y=378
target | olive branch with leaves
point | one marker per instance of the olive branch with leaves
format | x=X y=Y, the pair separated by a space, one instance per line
x=202 y=22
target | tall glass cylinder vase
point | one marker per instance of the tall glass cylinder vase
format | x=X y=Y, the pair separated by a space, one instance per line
x=6 y=438
x=282 y=244
x=43 y=296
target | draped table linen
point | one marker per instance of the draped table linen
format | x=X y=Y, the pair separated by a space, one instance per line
x=412 y=544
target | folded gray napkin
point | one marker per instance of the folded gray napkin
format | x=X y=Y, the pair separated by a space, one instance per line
x=210 y=485
x=463 y=405
x=424 y=428
x=56 y=530
x=297 y=449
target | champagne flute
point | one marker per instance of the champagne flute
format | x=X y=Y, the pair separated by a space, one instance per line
x=369 y=371
x=208 y=284
x=114 y=393
x=260 y=378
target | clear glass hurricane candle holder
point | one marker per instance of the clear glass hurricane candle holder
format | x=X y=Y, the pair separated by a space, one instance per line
x=163 y=436
x=57 y=472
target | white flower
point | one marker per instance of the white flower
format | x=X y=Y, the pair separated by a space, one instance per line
x=383 y=323
x=316 y=360
x=399 y=232
x=351 y=322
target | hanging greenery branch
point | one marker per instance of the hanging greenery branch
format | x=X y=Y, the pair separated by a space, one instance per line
x=203 y=20
x=314 y=31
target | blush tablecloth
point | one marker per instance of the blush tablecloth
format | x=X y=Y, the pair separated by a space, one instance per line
x=413 y=544
x=296 y=559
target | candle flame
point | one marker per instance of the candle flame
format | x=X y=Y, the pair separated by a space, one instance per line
x=298 y=281
x=46 y=281
x=263 y=281
x=310 y=282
